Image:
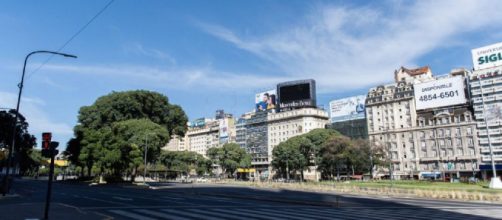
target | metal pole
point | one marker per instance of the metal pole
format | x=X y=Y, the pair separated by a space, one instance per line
x=49 y=186
x=14 y=126
x=146 y=151
x=487 y=129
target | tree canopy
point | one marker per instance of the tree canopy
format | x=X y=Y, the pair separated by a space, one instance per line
x=25 y=142
x=230 y=157
x=112 y=133
x=327 y=149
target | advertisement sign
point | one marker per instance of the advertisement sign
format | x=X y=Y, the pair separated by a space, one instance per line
x=297 y=94
x=493 y=112
x=223 y=130
x=200 y=122
x=347 y=108
x=266 y=100
x=439 y=93
x=488 y=56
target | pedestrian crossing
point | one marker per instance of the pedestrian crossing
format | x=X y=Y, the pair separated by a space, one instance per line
x=300 y=213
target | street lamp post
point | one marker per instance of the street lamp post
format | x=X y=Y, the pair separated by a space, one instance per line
x=495 y=181
x=146 y=151
x=14 y=127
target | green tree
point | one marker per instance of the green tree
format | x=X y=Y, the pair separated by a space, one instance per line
x=111 y=133
x=289 y=156
x=185 y=161
x=24 y=140
x=334 y=155
x=230 y=157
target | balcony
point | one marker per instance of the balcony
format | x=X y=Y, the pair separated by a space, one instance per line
x=494 y=140
x=492 y=132
x=487 y=159
x=487 y=150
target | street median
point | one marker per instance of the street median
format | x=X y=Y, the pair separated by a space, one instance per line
x=413 y=189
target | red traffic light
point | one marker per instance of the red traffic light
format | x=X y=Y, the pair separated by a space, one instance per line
x=47 y=136
x=46 y=140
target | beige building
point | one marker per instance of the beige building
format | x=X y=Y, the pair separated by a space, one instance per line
x=203 y=134
x=200 y=139
x=176 y=143
x=420 y=143
x=267 y=130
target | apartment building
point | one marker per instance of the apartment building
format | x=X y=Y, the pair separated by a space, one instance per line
x=486 y=88
x=425 y=141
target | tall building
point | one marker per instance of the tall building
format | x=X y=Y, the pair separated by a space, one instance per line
x=205 y=133
x=199 y=139
x=293 y=113
x=241 y=130
x=284 y=125
x=491 y=83
x=428 y=135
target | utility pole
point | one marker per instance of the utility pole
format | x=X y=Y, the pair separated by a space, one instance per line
x=146 y=151
x=287 y=167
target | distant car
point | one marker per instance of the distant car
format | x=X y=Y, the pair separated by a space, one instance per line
x=201 y=180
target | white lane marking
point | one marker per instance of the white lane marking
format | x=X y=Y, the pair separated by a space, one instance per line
x=222 y=215
x=186 y=213
x=169 y=197
x=240 y=214
x=277 y=214
x=295 y=212
x=122 y=198
x=130 y=215
x=160 y=214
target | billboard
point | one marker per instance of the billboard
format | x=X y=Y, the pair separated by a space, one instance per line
x=296 y=94
x=200 y=122
x=266 y=100
x=493 y=112
x=439 y=93
x=487 y=56
x=223 y=130
x=347 y=109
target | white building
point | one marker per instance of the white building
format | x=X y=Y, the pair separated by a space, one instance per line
x=491 y=81
x=423 y=142
x=267 y=130
x=205 y=133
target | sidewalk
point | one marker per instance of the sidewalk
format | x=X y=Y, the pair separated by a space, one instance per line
x=36 y=211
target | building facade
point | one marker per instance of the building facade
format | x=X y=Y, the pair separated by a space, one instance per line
x=265 y=130
x=486 y=88
x=176 y=143
x=421 y=143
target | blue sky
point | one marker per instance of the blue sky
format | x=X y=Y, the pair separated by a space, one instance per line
x=208 y=55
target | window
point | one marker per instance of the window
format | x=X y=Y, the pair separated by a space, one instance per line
x=460 y=151
x=457 y=132
x=469 y=131
x=448 y=132
x=470 y=142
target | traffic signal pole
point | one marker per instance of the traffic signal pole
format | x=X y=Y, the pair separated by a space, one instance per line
x=53 y=153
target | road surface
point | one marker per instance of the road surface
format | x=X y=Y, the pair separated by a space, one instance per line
x=207 y=201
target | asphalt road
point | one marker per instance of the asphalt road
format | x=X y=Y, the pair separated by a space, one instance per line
x=205 y=201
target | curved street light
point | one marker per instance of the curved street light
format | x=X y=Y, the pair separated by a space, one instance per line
x=14 y=127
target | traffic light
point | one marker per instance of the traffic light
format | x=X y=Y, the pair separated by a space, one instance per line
x=48 y=146
x=46 y=140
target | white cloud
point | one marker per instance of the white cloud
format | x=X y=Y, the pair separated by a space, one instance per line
x=139 y=49
x=348 y=47
x=38 y=120
x=175 y=78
